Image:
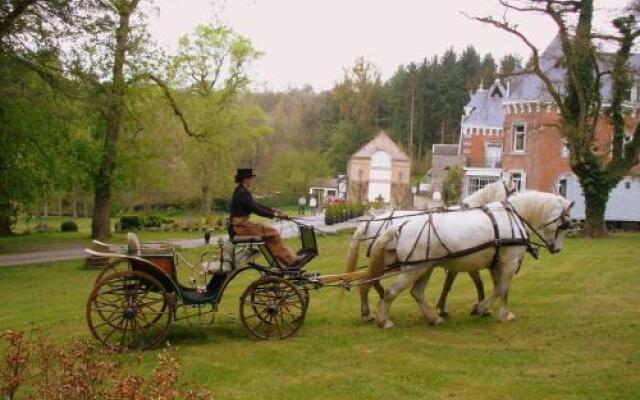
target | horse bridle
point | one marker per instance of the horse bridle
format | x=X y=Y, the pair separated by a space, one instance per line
x=565 y=225
x=508 y=191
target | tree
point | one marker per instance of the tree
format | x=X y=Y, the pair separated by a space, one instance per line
x=509 y=64
x=34 y=123
x=357 y=102
x=581 y=102
x=489 y=70
x=211 y=67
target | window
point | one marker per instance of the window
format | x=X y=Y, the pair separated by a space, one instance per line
x=565 y=149
x=518 y=137
x=493 y=155
x=518 y=180
x=477 y=183
x=627 y=185
x=631 y=94
x=562 y=188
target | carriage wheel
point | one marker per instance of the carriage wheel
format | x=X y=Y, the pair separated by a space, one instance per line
x=129 y=309
x=110 y=268
x=272 y=308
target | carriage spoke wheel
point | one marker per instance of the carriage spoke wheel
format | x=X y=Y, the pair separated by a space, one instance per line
x=129 y=310
x=272 y=308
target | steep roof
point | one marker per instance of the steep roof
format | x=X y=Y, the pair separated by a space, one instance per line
x=485 y=107
x=528 y=87
x=381 y=142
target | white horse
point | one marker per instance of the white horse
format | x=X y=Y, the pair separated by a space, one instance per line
x=465 y=241
x=368 y=231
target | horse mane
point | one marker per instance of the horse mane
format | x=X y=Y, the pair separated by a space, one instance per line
x=486 y=195
x=538 y=207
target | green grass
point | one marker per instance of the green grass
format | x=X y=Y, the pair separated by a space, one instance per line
x=577 y=334
x=23 y=241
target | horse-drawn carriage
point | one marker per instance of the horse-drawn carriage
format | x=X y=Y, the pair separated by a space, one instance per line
x=138 y=294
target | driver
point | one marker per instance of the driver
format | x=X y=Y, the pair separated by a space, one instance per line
x=243 y=205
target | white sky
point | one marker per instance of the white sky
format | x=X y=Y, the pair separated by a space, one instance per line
x=311 y=42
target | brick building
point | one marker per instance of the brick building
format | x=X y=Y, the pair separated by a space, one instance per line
x=514 y=128
x=380 y=169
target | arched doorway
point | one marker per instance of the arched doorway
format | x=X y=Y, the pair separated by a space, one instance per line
x=380 y=177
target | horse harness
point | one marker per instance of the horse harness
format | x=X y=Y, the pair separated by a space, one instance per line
x=519 y=237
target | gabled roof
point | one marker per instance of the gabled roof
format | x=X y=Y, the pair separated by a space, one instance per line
x=381 y=142
x=485 y=107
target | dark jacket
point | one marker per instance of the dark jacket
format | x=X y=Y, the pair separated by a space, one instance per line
x=242 y=205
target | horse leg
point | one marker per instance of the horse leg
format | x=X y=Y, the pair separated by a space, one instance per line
x=446 y=287
x=378 y=287
x=477 y=280
x=504 y=284
x=417 y=292
x=399 y=285
x=483 y=307
x=365 y=310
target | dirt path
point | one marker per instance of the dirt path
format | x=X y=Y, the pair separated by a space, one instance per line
x=287 y=229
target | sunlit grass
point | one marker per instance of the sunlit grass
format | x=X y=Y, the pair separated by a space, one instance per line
x=576 y=335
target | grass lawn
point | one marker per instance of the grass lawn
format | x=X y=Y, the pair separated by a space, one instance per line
x=577 y=334
x=22 y=242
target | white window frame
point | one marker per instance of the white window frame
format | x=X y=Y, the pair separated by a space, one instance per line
x=564 y=150
x=522 y=186
x=560 y=184
x=475 y=183
x=486 y=152
x=513 y=137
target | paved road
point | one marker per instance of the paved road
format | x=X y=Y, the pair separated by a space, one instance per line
x=287 y=229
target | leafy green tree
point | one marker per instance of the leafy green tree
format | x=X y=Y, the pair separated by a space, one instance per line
x=211 y=67
x=509 y=64
x=357 y=101
x=489 y=70
x=293 y=171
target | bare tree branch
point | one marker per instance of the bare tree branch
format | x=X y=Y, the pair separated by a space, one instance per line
x=535 y=55
x=175 y=108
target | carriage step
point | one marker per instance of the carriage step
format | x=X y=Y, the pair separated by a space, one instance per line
x=191 y=296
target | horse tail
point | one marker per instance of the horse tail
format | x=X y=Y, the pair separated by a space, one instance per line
x=378 y=250
x=354 y=247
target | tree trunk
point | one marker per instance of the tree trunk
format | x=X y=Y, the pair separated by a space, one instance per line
x=6 y=213
x=205 y=208
x=74 y=204
x=100 y=224
x=595 y=206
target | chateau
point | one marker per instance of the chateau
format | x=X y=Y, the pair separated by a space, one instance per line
x=513 y=127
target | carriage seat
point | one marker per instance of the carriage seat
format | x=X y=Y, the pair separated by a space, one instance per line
x=246 y=239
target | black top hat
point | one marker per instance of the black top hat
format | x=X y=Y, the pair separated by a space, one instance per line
x=243 y=173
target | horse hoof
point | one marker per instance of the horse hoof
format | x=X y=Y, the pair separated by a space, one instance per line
x=444 y=313
x=478 y=309
x=436 y=321
x=387 y=324
x=506 y=316
x=368 y=318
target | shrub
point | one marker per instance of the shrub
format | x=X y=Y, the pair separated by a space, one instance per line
x=81 y=370
x=329 y=216
x=152 y=221
x=68 y=226
x=130 y=222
